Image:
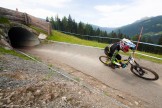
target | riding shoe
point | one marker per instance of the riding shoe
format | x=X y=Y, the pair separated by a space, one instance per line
x=113 y=66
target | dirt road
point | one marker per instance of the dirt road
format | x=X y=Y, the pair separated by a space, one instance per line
x=85 y=59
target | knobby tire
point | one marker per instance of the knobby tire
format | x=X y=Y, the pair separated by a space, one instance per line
x=104 y=57
x=133 y=70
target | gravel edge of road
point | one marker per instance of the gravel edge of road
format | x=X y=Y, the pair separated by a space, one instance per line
x=23 y=80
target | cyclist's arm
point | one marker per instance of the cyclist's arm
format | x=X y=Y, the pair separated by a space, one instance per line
x=133 y=47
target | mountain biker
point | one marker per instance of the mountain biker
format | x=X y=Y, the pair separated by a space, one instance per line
x=113 y=51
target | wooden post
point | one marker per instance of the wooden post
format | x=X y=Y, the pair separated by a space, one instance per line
x=49 y=29
x=139 y=37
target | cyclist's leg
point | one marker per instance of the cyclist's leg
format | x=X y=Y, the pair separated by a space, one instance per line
x=118 y=57
x=123 y=65
x=118 y=61
x=110 y=55
x=106 y=50
x=112 y=65
x=108 y=61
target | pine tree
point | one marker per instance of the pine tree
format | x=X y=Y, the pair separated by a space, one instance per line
x=74 y=26
x=64 y=24
x=57 y=23
x=52 y=23
x=98 y=32
x=47 y=19
x=113 y=34
x=88 y=29
x=69 y=23
x=135 y=38
x=80 y=28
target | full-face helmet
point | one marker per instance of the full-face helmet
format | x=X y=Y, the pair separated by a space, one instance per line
x=126 y=44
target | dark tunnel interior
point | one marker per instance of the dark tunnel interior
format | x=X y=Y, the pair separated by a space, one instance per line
x=21 y=37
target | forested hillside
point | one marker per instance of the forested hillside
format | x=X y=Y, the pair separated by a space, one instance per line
x=69 y=25
x=152 y=29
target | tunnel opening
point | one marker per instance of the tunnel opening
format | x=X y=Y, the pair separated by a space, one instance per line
x=21 y=37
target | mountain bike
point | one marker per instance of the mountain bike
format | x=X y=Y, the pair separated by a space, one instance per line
x=136 y=69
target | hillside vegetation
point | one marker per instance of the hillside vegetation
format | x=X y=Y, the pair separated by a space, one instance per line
x=152 y=29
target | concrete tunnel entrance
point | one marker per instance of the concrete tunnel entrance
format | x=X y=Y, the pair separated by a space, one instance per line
x=21 y=37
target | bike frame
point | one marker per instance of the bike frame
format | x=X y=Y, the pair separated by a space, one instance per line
x=129 y=60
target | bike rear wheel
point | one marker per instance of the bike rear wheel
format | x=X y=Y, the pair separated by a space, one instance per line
x=105 y=60
x=144 y=73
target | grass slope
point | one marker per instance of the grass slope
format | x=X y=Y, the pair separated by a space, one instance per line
x=12 y=52
x=61 y=37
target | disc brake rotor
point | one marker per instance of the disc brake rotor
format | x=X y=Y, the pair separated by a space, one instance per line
x=140 y=71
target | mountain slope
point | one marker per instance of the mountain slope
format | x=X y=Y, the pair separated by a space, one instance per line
x=151 y=26
x=107 y=29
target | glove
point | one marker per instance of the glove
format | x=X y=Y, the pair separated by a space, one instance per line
x=123 y=65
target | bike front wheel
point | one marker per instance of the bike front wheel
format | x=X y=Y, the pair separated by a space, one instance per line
x=105 y=60
x=144 y=73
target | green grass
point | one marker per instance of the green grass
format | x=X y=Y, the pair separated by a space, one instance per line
x=38 y=30
x=148 y=58
x=12 y=52
x=155 y=55
x=61 y=37
x=4 y=20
